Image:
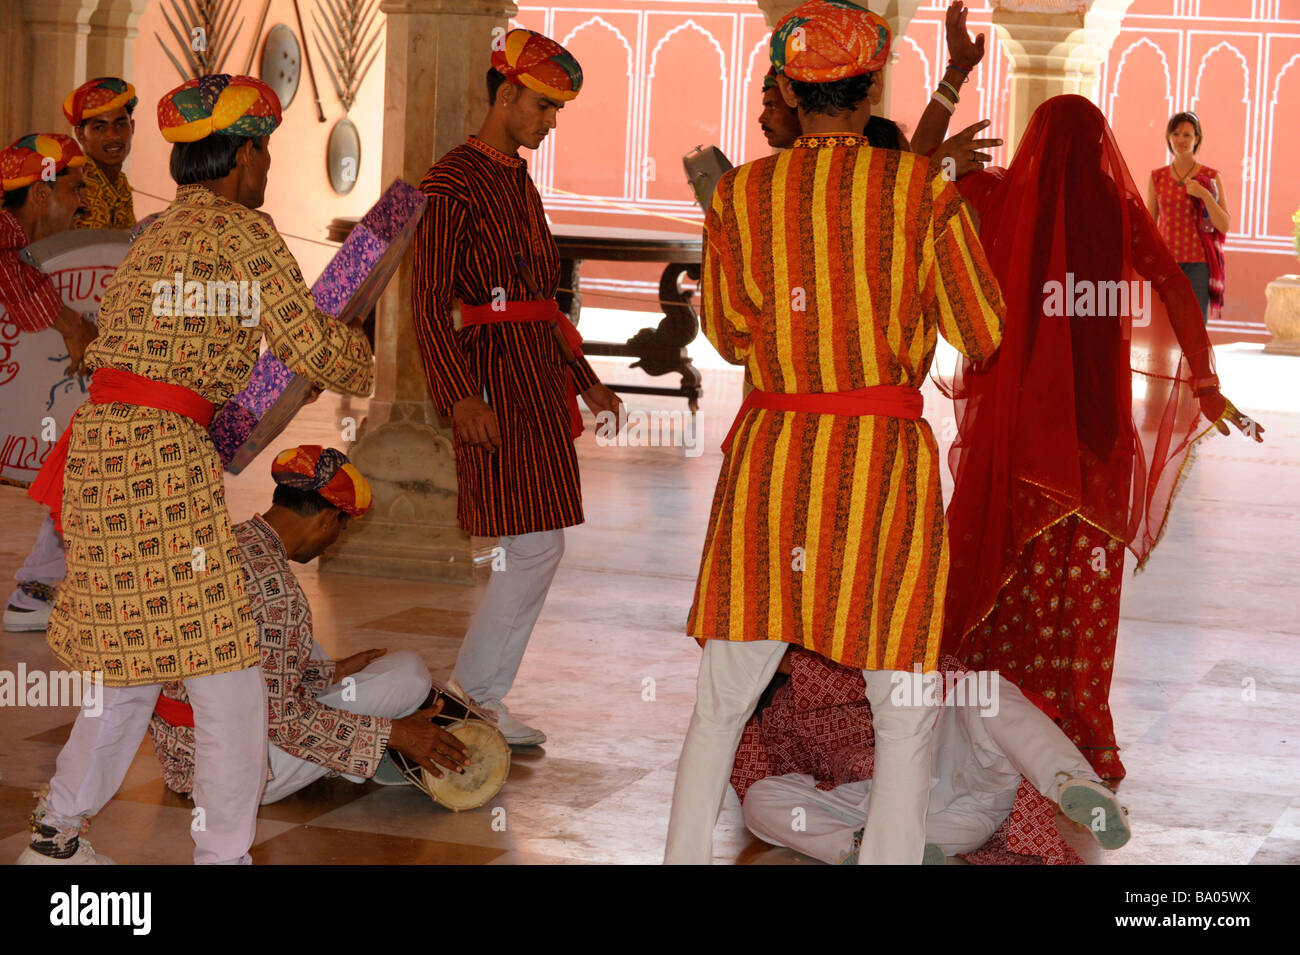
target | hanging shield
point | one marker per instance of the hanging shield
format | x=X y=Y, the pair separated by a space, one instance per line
x=282 y=63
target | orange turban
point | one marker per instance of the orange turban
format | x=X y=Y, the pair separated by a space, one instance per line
x=328 y=472
x=538 y=62
x=100 y=95
x=826 y=40
x=37 y=156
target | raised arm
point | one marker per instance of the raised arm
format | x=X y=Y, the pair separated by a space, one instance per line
x=965 y=52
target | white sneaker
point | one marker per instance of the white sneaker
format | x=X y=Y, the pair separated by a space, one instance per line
x=18 y=620
x=85 y=855
x=1081 y=798
x=516 y=732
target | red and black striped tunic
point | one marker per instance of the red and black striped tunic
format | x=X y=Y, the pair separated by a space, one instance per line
x=484 y=211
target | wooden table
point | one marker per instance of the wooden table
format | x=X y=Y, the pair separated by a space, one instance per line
x=660 y=350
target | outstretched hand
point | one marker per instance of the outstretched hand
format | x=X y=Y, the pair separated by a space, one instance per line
x=964 y=151
x=965 y=50
x=1222 y=411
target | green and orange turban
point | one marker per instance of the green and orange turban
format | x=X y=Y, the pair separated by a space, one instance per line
x=822 y=41
x=328 y=472
x=100 y=95
x=37 y=156
x=539 y=63
x=218 y=103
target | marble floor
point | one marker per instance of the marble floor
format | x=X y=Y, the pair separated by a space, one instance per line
x=1214 y=775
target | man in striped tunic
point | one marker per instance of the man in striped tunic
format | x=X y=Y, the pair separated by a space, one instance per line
x=828 y=271
x=508 y=378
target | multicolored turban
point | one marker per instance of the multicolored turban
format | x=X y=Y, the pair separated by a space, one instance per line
x=27 y=159
x=328 y=472
x=100 y=95
x=822 y=41
x=218 y=103
x=538 y=62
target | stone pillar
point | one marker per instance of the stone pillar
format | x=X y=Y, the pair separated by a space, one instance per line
x=1053 y=51
x=54 y=60
x=110 y=48
x=1282 y=315
x=437 y=53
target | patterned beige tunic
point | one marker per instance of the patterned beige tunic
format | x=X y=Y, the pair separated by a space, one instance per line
x=154 y=589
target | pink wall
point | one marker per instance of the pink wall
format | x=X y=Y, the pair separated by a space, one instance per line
x=662 y=76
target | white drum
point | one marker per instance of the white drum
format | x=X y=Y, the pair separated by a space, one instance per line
x=37 y=397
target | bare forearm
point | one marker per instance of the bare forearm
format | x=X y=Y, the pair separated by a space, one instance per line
x=932 y=129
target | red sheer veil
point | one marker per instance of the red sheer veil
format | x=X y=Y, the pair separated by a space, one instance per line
x=1079 y=412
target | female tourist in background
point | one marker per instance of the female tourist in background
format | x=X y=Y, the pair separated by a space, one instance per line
x=1186 y=200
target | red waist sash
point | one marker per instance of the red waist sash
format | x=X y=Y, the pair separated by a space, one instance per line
x=534 y=310
x=114 y=386
x=894 y=401
x=174 y=712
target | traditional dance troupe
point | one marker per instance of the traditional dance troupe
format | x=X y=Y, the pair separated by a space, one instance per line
x=840 y=610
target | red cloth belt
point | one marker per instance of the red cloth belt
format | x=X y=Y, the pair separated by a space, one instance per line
x=174 y=712
x=894 y=401
x=114 y=386
x=534 y=310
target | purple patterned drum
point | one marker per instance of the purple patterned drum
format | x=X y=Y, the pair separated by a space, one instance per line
x=348 y=288
x=37 y=397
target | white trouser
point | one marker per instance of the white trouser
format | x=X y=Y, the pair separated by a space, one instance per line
x=498 y=635
x=978 y=763
x=44 y=565
x=393 y=686
x=732 y=677
x=229 y=760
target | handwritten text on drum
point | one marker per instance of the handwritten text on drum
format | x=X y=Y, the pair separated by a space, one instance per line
x=194 y=299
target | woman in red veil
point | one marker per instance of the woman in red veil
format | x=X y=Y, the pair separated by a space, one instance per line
x=1073 y=438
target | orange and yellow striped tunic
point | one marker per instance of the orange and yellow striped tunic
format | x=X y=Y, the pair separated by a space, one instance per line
x=829 y=268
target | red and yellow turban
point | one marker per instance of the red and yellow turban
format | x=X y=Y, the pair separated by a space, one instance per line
x=29 y=159
x=538 y=62
x=328 y=472
x=100 y=95
x=218 y=103
x=826 y=40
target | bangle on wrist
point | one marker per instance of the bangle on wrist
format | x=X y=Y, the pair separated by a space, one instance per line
x=956 y=97
x=943 y=101
x=964 y=70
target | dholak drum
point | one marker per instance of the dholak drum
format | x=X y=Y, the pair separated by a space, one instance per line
x=38 y=398
x=489 y=757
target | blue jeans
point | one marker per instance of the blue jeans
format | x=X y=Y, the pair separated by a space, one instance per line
x=1199 y=275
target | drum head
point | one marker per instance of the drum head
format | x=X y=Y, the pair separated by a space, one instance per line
x=489 y=765
x=38 y=398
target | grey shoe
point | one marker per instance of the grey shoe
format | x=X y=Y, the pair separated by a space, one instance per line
x=1080 y=798
x=389 y=775
x=18 y=620
x=85 y=855
x=516 y=732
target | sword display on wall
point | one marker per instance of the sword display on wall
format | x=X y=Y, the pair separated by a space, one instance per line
x=203 y=35
x=306 y=55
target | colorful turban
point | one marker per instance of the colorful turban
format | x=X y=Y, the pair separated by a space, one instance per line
x=826 y=40
x=769 y=79
x=218 y=103
x=100 y=95
x=26 y=161
x=328 y=472
x=538 y=62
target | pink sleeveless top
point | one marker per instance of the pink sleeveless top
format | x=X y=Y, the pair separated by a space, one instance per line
x=1180 y=215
